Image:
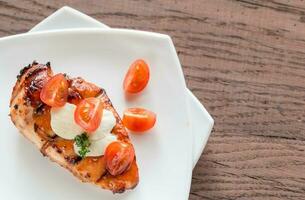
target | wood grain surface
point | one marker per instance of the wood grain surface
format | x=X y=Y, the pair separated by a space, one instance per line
x=244 y=60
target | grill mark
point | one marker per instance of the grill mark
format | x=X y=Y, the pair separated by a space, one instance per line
x=73 y=160
x=44 y=148
x=23 y=71
x=36 y=71
x=34 y=81
x=41 y=108
x=73 y=96
x=35 y=127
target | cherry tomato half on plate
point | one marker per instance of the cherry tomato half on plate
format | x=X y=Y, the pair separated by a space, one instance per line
x=55 y=92
x=119 y=157
x=88 y=114
x=139 y=119
x=137 y=77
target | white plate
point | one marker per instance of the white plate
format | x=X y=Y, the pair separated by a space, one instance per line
x=100 y=56
x=201 y=122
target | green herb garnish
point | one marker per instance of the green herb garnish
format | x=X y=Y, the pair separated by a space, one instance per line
x=82 y=141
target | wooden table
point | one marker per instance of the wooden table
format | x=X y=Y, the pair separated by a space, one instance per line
x=245 y=61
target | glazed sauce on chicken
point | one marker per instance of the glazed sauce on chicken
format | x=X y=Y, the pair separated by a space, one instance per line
x=88 y=169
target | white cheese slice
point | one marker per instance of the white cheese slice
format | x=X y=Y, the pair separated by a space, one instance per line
x=107 y=124
x=97 y=147
x=62 y=122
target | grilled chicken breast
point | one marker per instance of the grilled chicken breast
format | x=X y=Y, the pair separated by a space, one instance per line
x=32 y=117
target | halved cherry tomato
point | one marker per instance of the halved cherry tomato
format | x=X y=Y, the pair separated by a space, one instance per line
x=119 y=157
x=88 y=114
x=139 y=119
x=55 y=92
x=137 y=77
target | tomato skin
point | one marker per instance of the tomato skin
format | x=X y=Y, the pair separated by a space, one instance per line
x=119 y=157
x=139 y=119
x=55 y=91
x=137 y=77
x=88 y=114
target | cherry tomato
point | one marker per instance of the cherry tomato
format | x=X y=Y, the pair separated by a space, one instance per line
x=137 y=77
x=119 y=157
x=88 y=114
x=55 y=92
x=139 y=119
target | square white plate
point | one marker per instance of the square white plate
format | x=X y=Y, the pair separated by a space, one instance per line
x=100 y=56
x=201 y=122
